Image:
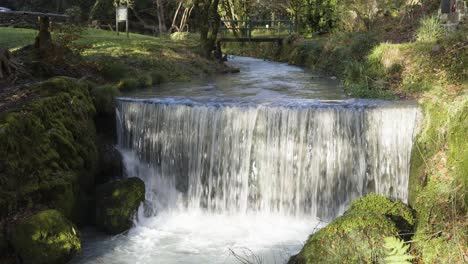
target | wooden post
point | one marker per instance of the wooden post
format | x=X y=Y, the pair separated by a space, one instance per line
x=126 y=28
x=117 y=22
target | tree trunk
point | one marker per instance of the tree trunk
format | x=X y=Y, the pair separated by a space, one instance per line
x=8 y=67
x=43 y=40
x=209 y=25
x=161 y=18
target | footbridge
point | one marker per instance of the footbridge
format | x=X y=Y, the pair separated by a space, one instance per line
x=244 y=31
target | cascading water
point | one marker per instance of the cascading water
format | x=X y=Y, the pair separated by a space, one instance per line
x=303 y=160
x=236 y=171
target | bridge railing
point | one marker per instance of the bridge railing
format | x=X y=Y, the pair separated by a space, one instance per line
x=255 y=28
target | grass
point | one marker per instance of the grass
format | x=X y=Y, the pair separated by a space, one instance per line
x=116 y=58
x=15 y=38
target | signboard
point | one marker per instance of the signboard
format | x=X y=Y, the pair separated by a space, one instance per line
x=122 y=13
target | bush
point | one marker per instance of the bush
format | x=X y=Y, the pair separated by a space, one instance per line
x=158 y=77
x=114 y=71
x=430 y=30
x=128 y=84
x=74 y=14
x=104 y=98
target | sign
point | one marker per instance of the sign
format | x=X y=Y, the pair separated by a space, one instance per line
x=122 y=13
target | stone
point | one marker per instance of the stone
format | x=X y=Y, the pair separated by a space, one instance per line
x=45 y=238
x=117 y=202
x=358 y=236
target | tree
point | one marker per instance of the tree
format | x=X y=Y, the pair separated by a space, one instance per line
x=210 y=20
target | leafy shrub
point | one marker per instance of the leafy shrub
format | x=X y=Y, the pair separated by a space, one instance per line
x=103 y=98
x=397 y=251
x=128 y=84
x=74 y=14
x=114 y=71
x=145 y=80
x=158 y=77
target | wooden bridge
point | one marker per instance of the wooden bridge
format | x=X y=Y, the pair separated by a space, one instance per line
x=253 y=31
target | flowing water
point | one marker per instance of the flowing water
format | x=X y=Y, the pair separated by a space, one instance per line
x=246 y=166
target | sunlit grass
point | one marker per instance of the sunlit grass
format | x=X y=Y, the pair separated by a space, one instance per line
x=15 y=38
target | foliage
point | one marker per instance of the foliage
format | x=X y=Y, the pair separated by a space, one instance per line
x=104 y=98
x=74 y=13
x=397 y=251
x=46 y=237
x=430 y=30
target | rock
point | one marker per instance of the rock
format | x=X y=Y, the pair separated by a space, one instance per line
x=111 y=163
x=46 y=237
x=358 y=235
x=116 y=203
x=436 y=48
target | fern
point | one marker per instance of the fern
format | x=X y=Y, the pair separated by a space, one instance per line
x=397 y=251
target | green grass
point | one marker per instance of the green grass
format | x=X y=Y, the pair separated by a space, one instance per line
x=14 y=38
x=118 y=57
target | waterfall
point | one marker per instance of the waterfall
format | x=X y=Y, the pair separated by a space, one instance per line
x=293 y=159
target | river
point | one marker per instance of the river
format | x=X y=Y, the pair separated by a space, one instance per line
x=246 y=166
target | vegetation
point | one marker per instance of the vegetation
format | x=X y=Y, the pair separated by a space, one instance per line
x=359 y=235
x=50 y=145
x=46 y=237
x=116 y=203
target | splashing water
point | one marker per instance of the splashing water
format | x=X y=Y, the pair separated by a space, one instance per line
x=229 y=178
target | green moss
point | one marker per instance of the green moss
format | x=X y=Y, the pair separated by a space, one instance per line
x=457 y=156
x=114 y=71
x=104 y=98
x=356 y=237
x=438 y=181
x=116 y=203
x=48 y=147
x=46 y=237
x=397 y=211
x=128 y=84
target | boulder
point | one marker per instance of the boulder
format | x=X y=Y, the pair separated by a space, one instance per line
x=46 y=237
x=117 y=202
x=358 y=236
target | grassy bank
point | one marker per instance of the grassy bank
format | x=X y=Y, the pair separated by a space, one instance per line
x=430 y=66
x=139 y=61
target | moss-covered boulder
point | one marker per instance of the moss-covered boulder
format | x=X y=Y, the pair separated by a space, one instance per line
x=46 y=237
x=48 y=148
x=116 y=203
x=358 y=235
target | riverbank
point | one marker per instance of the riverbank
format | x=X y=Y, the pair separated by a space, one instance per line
x=58 y=134
x=429 y=66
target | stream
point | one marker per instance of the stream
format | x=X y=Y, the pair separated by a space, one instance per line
x=244 y=167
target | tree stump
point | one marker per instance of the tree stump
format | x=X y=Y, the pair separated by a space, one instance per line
x=8 y=67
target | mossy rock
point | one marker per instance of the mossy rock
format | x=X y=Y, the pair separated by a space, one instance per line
x=46 y=237
x=353 y=238
x=48 y=148
x=358 y=235
x=395 y=210
x=117 y=202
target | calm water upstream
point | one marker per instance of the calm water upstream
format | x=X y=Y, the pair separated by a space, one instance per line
x=248 y=165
